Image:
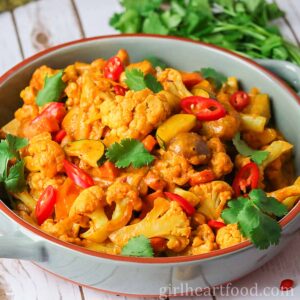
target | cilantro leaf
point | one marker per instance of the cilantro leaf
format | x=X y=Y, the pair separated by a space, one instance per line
x=143 y=7
x=129 y=152
x=128 y=22
x=257 y=156
x=15 y=182
x=137 y=81
x=215 y=76
x=267 y=233
x=154 y=24
x=248 y=218
x=268 y=205
x=156 y=62
x=51 y=92
x=152 y=83
x=5 y=156
x=253 y=219
x=138 y=246
x=230 y=214
x=15 y=143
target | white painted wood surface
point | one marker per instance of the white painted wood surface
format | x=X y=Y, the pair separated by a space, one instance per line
x=46 y=23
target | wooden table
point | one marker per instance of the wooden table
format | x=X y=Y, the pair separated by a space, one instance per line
x=45 y=23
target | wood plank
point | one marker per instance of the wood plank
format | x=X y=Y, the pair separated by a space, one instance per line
x=21 y=280
x=10 y=50
x=43 y=24
x=95 y=16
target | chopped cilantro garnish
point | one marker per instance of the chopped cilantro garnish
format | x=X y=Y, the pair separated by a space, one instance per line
x=138 y=246
x=137 y=81
x=51 y=92
x=215 y=76
x=13 y=177
x=129 y=152
x=257 y=156
x=253 y=216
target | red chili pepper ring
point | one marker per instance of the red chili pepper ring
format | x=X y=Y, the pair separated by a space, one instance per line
x=205 y=109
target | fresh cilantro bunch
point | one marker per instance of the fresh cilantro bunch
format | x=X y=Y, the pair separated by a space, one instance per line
x=129 y=152
x=137 y=81
x=12 y=177
x=243 y=26
x=138 y=246
x=254 y=217
x=258 y=156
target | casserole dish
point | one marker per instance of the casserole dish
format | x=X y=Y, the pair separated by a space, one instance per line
x=148 y=276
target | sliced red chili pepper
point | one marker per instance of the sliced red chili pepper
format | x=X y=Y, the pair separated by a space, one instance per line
x=205 y=109
x=80 y=177
x=247 y=176
x=186 y=206
x=45 y=205
x=58 y=137
x=239 y=100
x=215 y=224
x=120 y=90
x=113 y=68
x=286 y=284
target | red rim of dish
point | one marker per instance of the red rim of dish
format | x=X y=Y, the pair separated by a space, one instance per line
x=157 y=260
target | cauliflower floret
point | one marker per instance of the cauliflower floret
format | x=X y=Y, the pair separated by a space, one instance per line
x=213 y=197
x=45 y=155
x=172 y=82
x=286 y=192
x=120 y=190
x=38 y=182
x=87 y=201
x=203 y=241
x=134 y=115
x=173 y=168
x=91 y=203
x=66 y=230
x=106 y=247
x=229 y=235
x=220 y=162
x=166 y=220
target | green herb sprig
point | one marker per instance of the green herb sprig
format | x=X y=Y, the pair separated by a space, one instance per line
x=243 y=26
x=254 y=217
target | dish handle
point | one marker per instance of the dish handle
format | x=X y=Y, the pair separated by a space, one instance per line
x=284 y=69
x=15 y=244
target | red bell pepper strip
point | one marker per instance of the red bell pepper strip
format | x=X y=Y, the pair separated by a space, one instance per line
x=239 y=100
x=45 y=205
x=79 y=177
x=113 y=68
x=205 y=109
x=58 y=137
x=215 y=224
x=248 y=176
x=120 y=90
x=186 y=206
